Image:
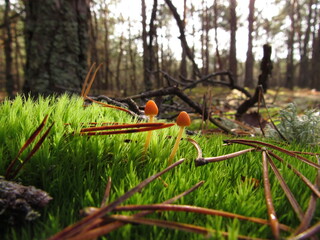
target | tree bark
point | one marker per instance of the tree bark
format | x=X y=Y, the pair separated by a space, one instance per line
x=146 y=75
x=233 y=50
x=266 y=70
x=119 y=60
x=183 y=63
x=183 y=39
x=106 y=48
x=56 y=45
x=304 y=60
x=315 y=70
x=8 y=51
x=290 y=67
x=218 y=66
x=248 y=79
x=152 y=33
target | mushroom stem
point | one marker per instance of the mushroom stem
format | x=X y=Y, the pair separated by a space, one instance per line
x=149 y=134
x=176 y=145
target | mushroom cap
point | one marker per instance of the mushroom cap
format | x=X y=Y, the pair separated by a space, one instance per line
x=183 y=120
x=151 y=108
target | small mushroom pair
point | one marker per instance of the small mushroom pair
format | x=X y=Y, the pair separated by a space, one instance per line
x=183 y=120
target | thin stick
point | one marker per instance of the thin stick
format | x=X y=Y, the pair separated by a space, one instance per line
x=223 y=157
x=197 y=146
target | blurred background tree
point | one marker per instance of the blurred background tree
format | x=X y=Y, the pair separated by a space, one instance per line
x=47 y=46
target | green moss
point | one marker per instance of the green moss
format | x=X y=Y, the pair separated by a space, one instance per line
x=74 y=171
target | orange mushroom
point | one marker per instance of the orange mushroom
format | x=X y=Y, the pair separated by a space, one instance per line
x=150 y=110
x=183 y=120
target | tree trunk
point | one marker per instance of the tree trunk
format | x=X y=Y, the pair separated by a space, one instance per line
x=218 y=66
x=146 y=75
x=132 y=56
x=205 y=39
x=56 y=45
x=119 y=60
x=304 y=60
x=183 y=39
x=106 y=44
x=152 y=33
x=183 y=63
x=18 y=59
x=233 y=51
x=315 y=70
x=8 y=51
x=248 y=80
x=94 y=56
x=290 y=67
x=266 y=70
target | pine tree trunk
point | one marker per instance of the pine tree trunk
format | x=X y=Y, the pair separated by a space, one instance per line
x=146 y=75
x=8 y=51
x=56 y=45
x=248 y=80
x=315 y=70
x=233 y=51
x=183 y=63
x=290 y=67
x=304 y=60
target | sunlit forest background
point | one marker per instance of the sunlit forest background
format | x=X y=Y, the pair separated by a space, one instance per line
x=48 y=46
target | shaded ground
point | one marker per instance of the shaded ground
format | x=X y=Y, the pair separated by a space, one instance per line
x=304 y=98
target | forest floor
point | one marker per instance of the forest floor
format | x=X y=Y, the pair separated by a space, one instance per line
x=280 y=97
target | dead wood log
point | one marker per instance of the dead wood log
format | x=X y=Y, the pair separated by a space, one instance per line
x=179 y=93
x=18 y=202
x=266 y=70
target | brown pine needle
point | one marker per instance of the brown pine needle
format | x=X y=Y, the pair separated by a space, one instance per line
x=143 y=129
x=274 y=223
x=106 y=193
x=33 y=151
x=174 y=225
x=295 y=205
x=119 y=126
x=290 y=153
x=91 y=81
x=74 y=229
x=86 y=80
x=109 y=105
x=199 y=210
x=95 y=232
x=310 y=185
x=311 y=232
x=311 y=207
x=25 y=145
